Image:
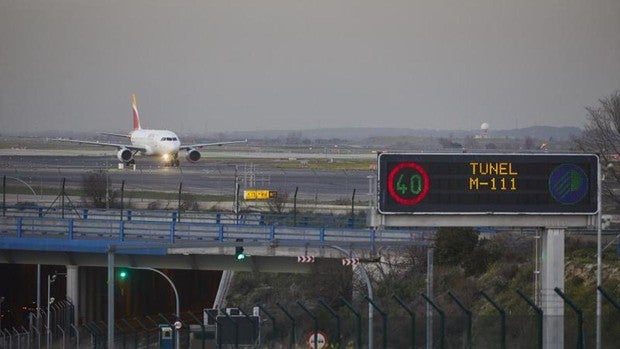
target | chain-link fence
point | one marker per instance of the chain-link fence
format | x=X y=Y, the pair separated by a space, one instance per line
x=340 y=323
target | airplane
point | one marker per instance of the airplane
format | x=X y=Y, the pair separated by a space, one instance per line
x=163 y=143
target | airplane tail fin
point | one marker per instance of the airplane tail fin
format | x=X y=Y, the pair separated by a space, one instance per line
x=136 y=116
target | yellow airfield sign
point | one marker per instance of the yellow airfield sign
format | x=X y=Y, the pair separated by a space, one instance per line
x=259 y=194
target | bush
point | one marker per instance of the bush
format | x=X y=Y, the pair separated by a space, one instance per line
x=454 y=245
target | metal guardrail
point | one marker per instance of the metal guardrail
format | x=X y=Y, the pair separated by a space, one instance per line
x=258 y=218
x=98 y=230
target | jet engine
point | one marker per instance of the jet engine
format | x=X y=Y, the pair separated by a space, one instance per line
x=124 y=155
x=192 y=155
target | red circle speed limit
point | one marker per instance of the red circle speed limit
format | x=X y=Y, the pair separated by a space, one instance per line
x=408 y=183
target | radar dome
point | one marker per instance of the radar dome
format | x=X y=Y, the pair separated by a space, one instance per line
x=484 y=126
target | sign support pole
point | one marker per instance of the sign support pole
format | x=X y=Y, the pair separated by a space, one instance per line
x=599 y=263
x=552 y=276
x=429 y=292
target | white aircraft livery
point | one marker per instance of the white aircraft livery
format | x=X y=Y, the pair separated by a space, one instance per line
x=161 y=143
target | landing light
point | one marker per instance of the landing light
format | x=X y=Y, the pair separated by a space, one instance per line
x=166 y=157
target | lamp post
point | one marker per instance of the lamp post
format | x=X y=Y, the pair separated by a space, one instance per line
x=50 y=279
x=50 y=300
x=1 y=300
x=176 y=296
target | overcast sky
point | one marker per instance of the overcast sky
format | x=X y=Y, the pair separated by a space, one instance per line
x=230 y=65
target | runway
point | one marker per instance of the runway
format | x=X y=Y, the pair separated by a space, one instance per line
x=214 y=174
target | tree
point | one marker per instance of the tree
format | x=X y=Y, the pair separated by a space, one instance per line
x=97 y=187
x=602 y=130
x=602 y=136
x=188 y=202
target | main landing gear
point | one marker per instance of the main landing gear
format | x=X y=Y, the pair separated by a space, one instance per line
x=131 y=164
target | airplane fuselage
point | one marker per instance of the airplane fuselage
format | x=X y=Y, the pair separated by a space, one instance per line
x=156 y=142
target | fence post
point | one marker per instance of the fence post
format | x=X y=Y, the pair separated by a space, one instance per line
x=580 y=337
x=316 y=323
x=337 y=317
x=18 y=337
x=467 y=313
x=18 y=228
x=70 y=228
x=202 y=328
x=383 y=320
x=290 y=317
x=77 y=335
x=63 y=334
x=220 y=232
x=539 y=313
x=146 y=331
x=172 y=229
x=236 y=329
x=121 y=230
x=94 y=332
x=27 y=333
x=373 y=238
x=255 y=331
x=273 y=319
x=442 y=320
x=135 y=334
x=502 y=319
x=218 y=336
x=122 y=332
x=411 y=314
x=608 y=297
x=34 y=328
x=10 y=337
x=358 y=324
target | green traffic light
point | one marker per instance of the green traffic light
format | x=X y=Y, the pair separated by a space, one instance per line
x=239 y=254
x=122 y=274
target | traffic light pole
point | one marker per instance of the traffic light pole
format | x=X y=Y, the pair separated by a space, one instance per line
x=111 y=297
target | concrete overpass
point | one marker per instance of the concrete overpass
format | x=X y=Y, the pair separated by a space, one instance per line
x=144 y=239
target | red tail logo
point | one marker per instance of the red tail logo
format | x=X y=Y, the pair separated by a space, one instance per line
x=136 y=117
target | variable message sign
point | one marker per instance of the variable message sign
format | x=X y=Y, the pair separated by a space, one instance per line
x=488 y=183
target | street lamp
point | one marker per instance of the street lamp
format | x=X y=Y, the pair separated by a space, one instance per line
x=1 y=300
x=176 y=296
x=50 y=300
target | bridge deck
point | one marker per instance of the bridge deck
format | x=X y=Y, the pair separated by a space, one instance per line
x=80 y=235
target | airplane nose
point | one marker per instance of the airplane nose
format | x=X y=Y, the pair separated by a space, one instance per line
x=172 y=148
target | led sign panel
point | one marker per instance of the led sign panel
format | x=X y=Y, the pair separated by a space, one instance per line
x=488 y=183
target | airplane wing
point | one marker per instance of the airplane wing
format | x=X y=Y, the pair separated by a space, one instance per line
x=200 y=145
x=115 y=134
x=102 y=144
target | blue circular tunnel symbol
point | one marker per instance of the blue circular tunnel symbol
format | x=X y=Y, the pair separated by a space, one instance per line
x=568 y=184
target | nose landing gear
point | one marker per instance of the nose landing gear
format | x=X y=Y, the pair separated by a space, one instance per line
x=172 y=160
